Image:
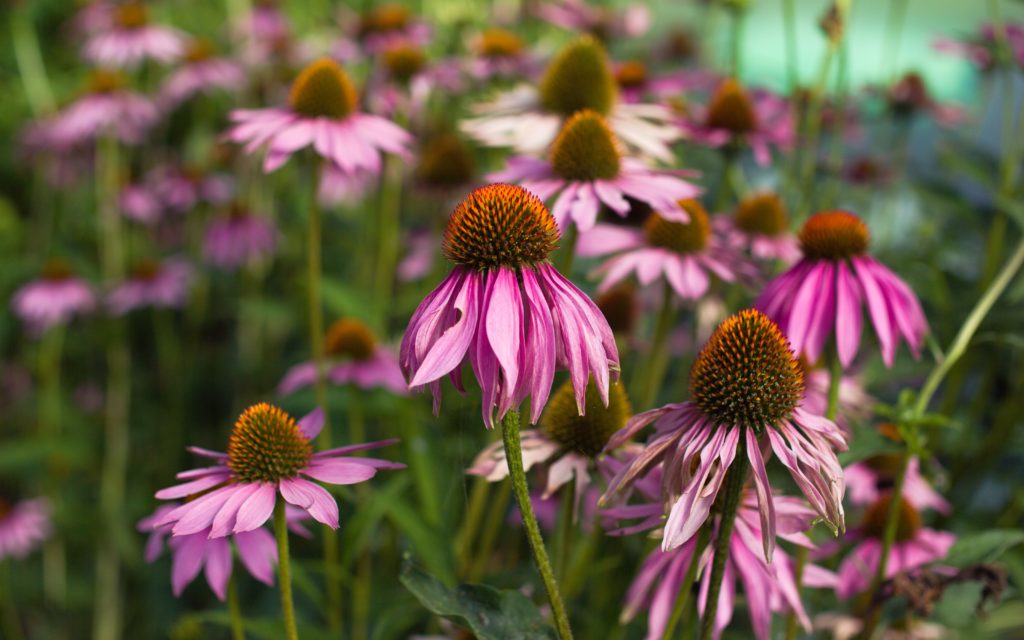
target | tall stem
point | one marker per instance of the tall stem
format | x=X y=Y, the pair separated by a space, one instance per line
x=107 y=604
x=54 y=552
x=657 y=359
x=237 y=621
x=284 y=570
x=792 y=624
x=835 y=378
x=569 y=249
x=736 y=42
x=792 y=57
x=514 y=457
x=30 y=61
x=474 y=514
x=495 y=525
x=894 y=32
x=389 y=215
x=730 y=501
x=12 y=625
x=567 y=524
x=681 y=609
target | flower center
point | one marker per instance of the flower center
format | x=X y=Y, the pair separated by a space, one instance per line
x=267 y=445
x=131 y=15
x=5 y=508
x=403 y=61
x=102 y=82
x=909 y=94
x=578 y=78
x=762 y=214
x=681 y=45
x=384 y=19
x=446 y=161
x=500 y=225
x=618 y=305
x=350 y=338
x=586 y=434
x=681 y=237
x=586 y=149
x=877 y=514
x=146 y=270
x=631 y=74
x=834 y=235
x=499 y=43
x=747 y=374
x=731 y=109
x=323 y=89
x=57 y=270
x=199 y=50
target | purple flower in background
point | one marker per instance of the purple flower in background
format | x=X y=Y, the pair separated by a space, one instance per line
x=129 y=39
x=601 y=22
x=384 y=24
x=139 y=203
x=500 y=53
x=269 y=453
x=203 y=72
x=52 y=299
x=181 y=188
x=152 y=284
x=823 y=294
x=760 y=225
x=239 y=238
x=107 y=108
x=24 y=526
x=982 y=48
x=868 y=480
x=507 y=311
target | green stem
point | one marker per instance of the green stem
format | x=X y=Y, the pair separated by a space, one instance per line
x=30 y=61
x=657 y=359
x=12 y=625
x=730 y=502
x=108 y=597
x=388 y=218
x=364 y=567
x=792 y=624
x=471 y=521
x=582 y=562
x=681 y=609
x=314 y=242
x=894 y=31
x=237 y=621
x=54 y=552
x=835 y=377
x=495 y=525
x=568 y=250
x=792 y=57
x=284 y=570
x=514 y=457
x=567 y=527
x=736 y=42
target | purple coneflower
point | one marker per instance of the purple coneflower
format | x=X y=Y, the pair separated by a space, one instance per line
x=383 y=24
x=269 y=453
x=601 y=22
x=734 y=116
x=567 y=445
x=760 y=225
x=239 y=238
x=769 y=587
x=181 y=188
x=203 y=72
x=636 y=82
x=507 y=310
x=822 y=295
x=152 y=284
x=685 y=254
x=909 y=96
x=354 y=357
x=52 y=299
x=746 y=386
x=500 y=53
x=24 y=526
x=914 y=546
x=107 y=108
x=587 y=169
x=138 y=203
x=854 y=403
x=982 y=48
x=130 y=39
x=580 y=77
x=406 y=78
x=322 y=111
x=869 y=479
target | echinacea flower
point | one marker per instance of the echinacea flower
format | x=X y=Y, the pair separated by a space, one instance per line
x=152 y=284
x=868 y=479
x=52 y=299
x=182 y=188
x=385 y=23
x=914 y=546
x=322 y=111
x=406 y=78
x=567 y=444
x=445 y=163
x=500 y=53
x=619 y=307
x=601 y=22
x=746 y=386
x=131 y=39
x=203 y=72
x=106 y=108
x=507 y=311
x=734 y=116
x=24 y=526
x=855 y=403
x=529 y=118
x=139 y=204
x=982 y=47
x=822 y=295
x=197 y=552
x=353 y=357
x=760 y=225
x=269 y=453
x=587 y=169
x=769 y=587
x=238 y=238
x=685 y=254
x=636 y=82
x=909 y=96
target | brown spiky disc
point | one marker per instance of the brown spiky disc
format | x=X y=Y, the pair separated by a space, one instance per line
x=834 y=235
x=681 y=237
x=324 y=90
x=877 y=514
x=499 y=43
x=762 y=214
x=348 y=338
x=586 y=149
x=731 y=109
x=579 y=78
x=267 y=445
x=586 y=434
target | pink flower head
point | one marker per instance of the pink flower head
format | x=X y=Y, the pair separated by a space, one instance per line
x=152 y=284
x=909 y=96
x=507 y=311
x=587 y=169
x=385 y=23
x=636 y=82
x=406 y=78
x=239 y=238
x=685 y=253
x=601 y=22
x=822 y=295
x=130 y=39
x=580 y=77
x=197 y=551
x=202 y=72
x=735 y=116
x=182 y=188
x=269 y=453
x=24 y=526
x=869 y=479
x=982 y=48
x=140 y=204
x=500 y=53
x=354 y=358
x=746 y=386
x=53 y=299
x=107 y=108
x=760 y=225
x=770 y=587
x=915 y=546
x=855 y=404
x=322 y=111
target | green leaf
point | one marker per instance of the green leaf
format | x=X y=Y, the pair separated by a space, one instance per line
x=488 y=612
x=984 y=546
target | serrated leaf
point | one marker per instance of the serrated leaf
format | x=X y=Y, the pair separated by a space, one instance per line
x=984 y=546
x=491 y=614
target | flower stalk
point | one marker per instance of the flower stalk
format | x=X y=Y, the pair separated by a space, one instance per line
x=681 y=609
x=657 y=360
x=284 y=570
